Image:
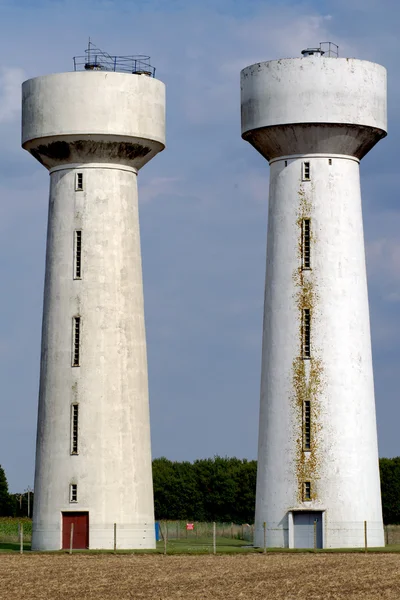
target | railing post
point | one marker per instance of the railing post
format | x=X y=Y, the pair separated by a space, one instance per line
x=165 y=537
x=265 y=537
x=71 y=538
x=115 y=538
x=365 y=537
x=214 y=538
x=21 y=538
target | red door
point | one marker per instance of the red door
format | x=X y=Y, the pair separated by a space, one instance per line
x=80 y=539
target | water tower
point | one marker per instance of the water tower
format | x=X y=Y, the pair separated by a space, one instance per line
x=93 y=129
x=314 y=118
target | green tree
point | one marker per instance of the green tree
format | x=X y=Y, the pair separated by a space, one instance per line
x=246 y=492
x=163 y=484
x=390 y=489
x=212 y=489
x=7 y=507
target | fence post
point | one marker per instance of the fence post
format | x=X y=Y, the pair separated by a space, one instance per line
x=21 y=539
x=214 y=538
x=165 y=537
x=365 y=536
x=232 y=531
x=265 y=537
x=315 y=535
x=115 y=538
x=71 y=538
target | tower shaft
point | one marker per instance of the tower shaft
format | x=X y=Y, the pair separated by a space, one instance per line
x=317 y=454
x=93 y=456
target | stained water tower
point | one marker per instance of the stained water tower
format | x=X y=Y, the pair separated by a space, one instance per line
x=314 y=118
x=93 y=129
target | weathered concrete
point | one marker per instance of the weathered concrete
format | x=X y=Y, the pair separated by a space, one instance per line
x=294 y=111
x=96 y=124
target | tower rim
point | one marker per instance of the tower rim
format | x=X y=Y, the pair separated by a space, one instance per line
x=311 y=59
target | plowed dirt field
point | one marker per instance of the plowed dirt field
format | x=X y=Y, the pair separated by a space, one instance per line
x=273 y=577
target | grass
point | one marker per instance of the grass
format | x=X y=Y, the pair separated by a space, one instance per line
x=9 y=529
x=204 y=546
x=190 y=544
x=157 y=577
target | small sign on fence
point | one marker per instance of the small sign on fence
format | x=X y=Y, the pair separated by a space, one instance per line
x=189 y=526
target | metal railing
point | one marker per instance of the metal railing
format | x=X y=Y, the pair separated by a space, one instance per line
x=329 y=49
x=98 y=60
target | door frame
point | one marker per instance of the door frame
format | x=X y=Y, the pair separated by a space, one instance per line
x=308 y=510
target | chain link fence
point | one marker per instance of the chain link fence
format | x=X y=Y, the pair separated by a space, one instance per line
x=193 y=536
x=178 y=537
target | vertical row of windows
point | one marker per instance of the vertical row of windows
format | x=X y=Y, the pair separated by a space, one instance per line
x=77 y=254
x=306 y=243
x=76 y=338
x=306 y=330
x=76 y=335
x=306 y=327
x=74 y=428
x=307 y=425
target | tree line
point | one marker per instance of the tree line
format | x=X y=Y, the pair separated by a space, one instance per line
x=214 y=489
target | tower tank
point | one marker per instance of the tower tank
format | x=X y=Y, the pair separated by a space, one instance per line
x=314 y=118
x=94 y=129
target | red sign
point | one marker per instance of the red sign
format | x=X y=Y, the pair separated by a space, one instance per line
x=189 y=526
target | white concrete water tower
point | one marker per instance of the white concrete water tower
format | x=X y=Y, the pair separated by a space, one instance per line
x=314 y=118
x=93 y=130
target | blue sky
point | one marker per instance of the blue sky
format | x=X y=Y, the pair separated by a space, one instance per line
x=203 y=209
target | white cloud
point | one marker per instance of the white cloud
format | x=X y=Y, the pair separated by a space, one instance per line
x=11 y=79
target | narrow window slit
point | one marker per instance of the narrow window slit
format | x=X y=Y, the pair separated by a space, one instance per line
x=79 y=182
x=76 y=333
x=307 y=425
x=74 y=428
x=307 y=490
x=306 y=243
x=78 y=255
x=73 y=492
x=306 y=333
x=306 y=171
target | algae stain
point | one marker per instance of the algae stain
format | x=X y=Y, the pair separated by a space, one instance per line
x=307 y=373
